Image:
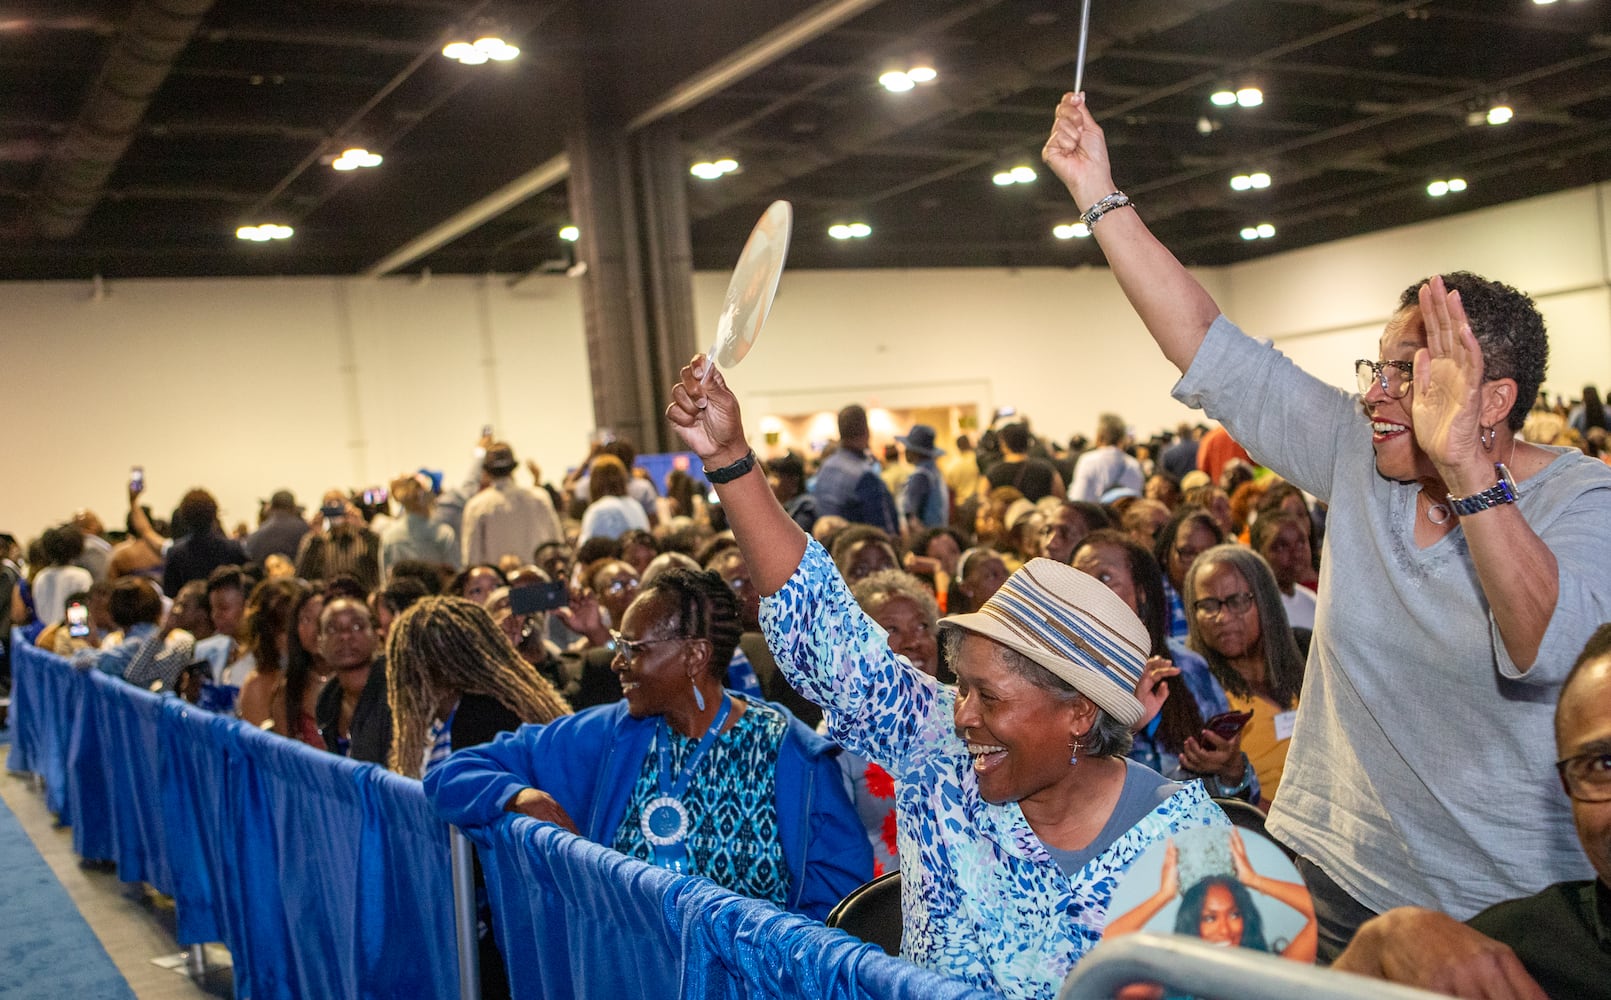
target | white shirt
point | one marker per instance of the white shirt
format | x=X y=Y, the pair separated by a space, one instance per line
x=1100 y=470
x=1300 y=607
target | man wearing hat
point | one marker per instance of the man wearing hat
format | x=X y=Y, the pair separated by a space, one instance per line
x=280 y=530
x=925 y=501
x=504 y=518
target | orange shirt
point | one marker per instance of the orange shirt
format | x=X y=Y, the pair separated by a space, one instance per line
x=1266 y=738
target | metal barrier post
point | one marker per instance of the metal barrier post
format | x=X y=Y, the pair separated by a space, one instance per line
x=1187 y=965
x=464 y=915
x=196 y=961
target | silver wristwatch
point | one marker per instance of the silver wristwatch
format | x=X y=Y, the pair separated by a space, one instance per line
x=1502 y=492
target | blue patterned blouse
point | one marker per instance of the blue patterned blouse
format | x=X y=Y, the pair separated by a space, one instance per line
x=732 y=806
x=982 y=900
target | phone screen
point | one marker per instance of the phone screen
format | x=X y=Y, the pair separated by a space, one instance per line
x=533 y=597
x=77 y=621
x=1227 y=724
x=136 y=479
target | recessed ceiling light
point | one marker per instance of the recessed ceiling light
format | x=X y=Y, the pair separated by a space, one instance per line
x=1223 y=98
x=922 y=74
x=1265 y=230
x=1023 y=174
x=1439 y=188
x=487 y=47
x=710 y=170
x=850 y=230
x=1249 y=233
x=896 y=81
x=1071 y=231
x=570 y=234
x=264 y=232
x=1250 y=97
x=353 y=159
x=1500 y=114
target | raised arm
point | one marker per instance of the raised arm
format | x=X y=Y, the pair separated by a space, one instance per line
x=707 y=418
x=1175 y=308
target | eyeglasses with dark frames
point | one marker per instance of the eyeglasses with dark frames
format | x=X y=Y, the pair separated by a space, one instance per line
x=1210 y=607
x=1587 y=776
x=1393 y=376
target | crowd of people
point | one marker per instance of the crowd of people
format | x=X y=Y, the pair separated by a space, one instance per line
x=1005 y=668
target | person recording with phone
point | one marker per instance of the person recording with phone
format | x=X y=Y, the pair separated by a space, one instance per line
x=341 y=544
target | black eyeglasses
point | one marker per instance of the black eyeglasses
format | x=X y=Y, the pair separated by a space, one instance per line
x=1393 y=376
x=1587 y=777
x=630 y=649
x=1210 y=607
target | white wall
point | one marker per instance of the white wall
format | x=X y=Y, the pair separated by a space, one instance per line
x=249 y=385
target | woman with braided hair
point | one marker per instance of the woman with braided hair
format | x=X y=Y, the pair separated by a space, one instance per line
x=454 y=681
x=681 y=772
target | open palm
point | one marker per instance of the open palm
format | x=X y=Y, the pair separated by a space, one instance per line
x=1448 y=379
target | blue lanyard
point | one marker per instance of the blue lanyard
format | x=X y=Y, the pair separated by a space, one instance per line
x=665 y=819
x=663 y=748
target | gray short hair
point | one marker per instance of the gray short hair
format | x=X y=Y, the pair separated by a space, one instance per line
x=873 y=592
x=1107 y=737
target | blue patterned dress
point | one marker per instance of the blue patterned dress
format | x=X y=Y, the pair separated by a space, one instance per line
x=982 y=900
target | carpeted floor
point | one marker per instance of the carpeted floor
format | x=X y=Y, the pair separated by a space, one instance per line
x=46 y=949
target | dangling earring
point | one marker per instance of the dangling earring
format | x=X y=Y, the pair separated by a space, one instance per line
x=1487 y=436
x=699 y=699
x=1073 y=751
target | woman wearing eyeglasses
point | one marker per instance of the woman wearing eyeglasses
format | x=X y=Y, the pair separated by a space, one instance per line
x=1463 y=567
x=680 y=773
x=1236 y=623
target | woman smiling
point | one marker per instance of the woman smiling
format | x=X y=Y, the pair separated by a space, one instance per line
x=1016 y=813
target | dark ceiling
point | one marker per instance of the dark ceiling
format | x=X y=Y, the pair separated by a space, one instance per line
x=1365 y=102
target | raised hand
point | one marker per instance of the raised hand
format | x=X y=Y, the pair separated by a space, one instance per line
x=1077 y=152
x=706 y=415
x=1240 y=866
x=1151 y=689
x=1169 y=880
x=1447 y=404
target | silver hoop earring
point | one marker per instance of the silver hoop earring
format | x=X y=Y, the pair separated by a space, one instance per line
x=1487 y=436
x=699 y=699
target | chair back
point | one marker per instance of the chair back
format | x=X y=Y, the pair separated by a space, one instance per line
x=872 y=912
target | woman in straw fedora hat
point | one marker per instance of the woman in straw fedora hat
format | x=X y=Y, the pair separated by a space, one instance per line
x=1016 y=811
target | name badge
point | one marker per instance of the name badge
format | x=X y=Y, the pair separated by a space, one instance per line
x=1283 y=724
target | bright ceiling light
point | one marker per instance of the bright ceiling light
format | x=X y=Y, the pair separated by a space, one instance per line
x=1250 y=97
x=860 y=230
x=839 y=231
x=710 y=170
x=1457 y=184
x=726 y=164
x=352 y=159
x=487 y=47
x=1241 y=182
x=1072 y=231
x=1250 y=182
x=922 y=74
x=1003 y=178
x=264 y=232
x=1265 y=230
x=1499 y=114
x=570 y=234
x=1249 y=233
x=1260 y=180
x=896 y=81
x=1438 y=189
x=1223 y=98
x=850 y=231
x=1023 y=174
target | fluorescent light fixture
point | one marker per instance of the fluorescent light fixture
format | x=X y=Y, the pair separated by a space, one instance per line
x=1241 y=182
x=1072 y=231
x=1260 y=180
x=850 y=230
x=1500 y=114
x=1438 y=189
x=1222 y=98
x=839 y=231
x=705 y=171
x=352 y=159
x=1265 y=230
x=922 y=74
x=487 y=47
x=1457 y=184
x=570 y=234
x=1250 y=97
x=896 y=81
x=860 y=230
x=726 y=164
x=264 y=232
x=1249 y=233
x=1023 y=174
x=1004 y=178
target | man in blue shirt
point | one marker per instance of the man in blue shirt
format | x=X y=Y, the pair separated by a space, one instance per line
x=925 y=501
x=848 y=484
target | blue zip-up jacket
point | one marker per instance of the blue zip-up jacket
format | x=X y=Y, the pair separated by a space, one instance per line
x=589 y=762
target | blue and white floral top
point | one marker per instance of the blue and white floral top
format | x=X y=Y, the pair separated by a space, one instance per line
x=982 y=900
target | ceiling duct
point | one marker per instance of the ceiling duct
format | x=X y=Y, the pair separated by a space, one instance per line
x=142 y=56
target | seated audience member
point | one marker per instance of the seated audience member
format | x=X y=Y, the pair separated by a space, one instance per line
x=862 y=550
x=1238 y=626
x=639 y=486
x=144 y=657
x=352 y=713
x=1163 y=488
x=345 y=546
x=475 y=583
x=906 y=611
x=1177 y=691
x=1190 y=533
x=189 y=613
x=1144 y=519
x=990 y=516
x=345 y=585
x=611 y=513
x=1283 y=540
x=226 y=608
x=281 y=530
x=786 y=475
x=103 y=631
x=638 y=547
x=270 y=620
x=980 y=573
x=392 y=601
x=612 y=585
x=416 y=536
x=745 y=675
x=296 y=709
x=757 y=802
x=1013 y=785
x=1022 y=542
x=1551 y=944
x=454 y=681
x=1066 y=525
x=203 y=546
x=1210 y=498
x=1106 y=466
x=60 y=576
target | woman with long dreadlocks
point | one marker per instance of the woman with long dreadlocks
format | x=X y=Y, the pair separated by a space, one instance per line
x=681 y=772
x=454 y=681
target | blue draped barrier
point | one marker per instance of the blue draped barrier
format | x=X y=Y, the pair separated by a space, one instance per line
x=324 y=877
x=581 y=921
